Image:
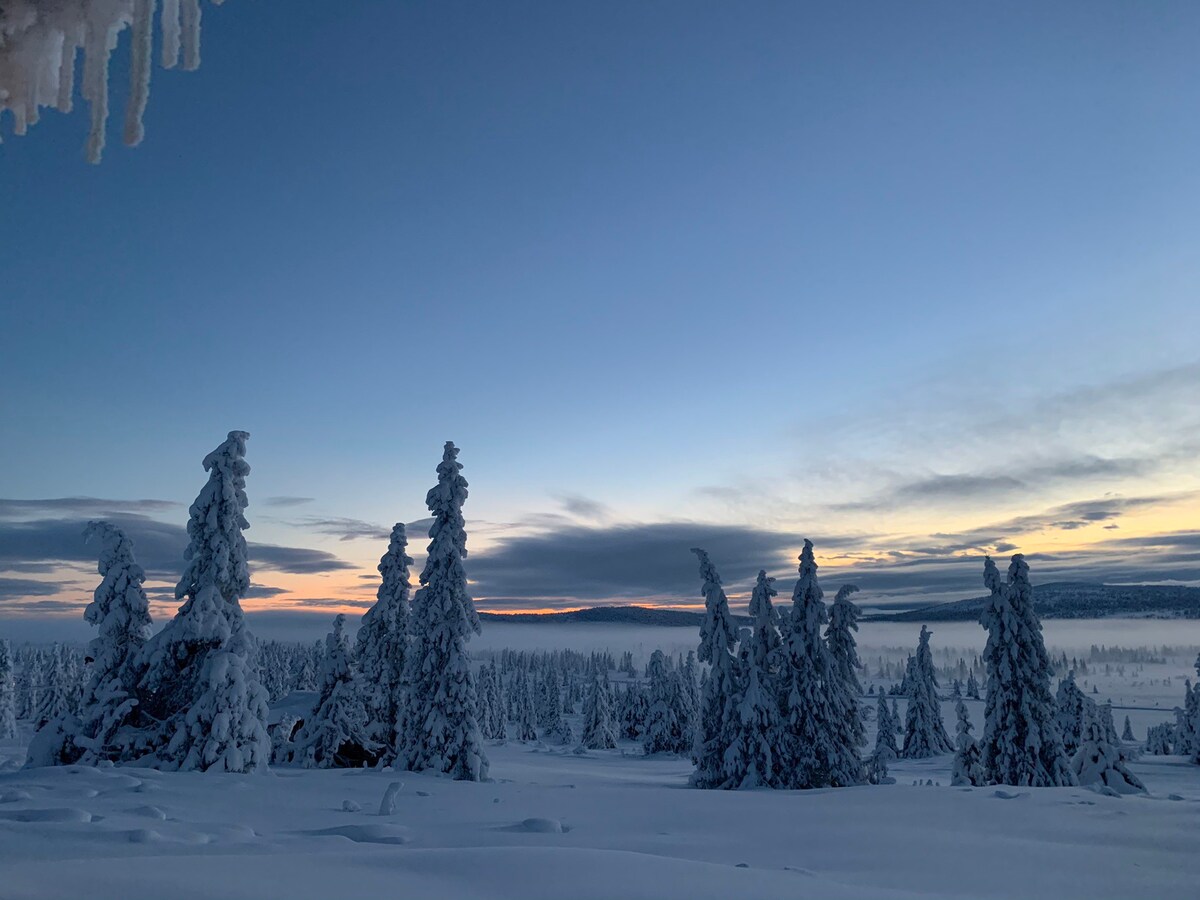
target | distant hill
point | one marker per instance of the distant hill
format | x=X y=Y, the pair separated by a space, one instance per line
x=621 y=615
x=1060 y=600
x=1074 y=600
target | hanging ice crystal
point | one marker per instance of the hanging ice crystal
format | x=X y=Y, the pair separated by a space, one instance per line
x=40 y=39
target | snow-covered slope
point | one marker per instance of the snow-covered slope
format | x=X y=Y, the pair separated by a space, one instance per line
x=601 y=825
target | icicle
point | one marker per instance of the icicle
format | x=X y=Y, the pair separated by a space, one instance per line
x=66 y=75
x=39 y=44
x=139 y=89
x=191 y=35
x=170 y=34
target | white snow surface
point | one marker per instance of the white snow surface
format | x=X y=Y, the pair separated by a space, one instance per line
x=601 y=824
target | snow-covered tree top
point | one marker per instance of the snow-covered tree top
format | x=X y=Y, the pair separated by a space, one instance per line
x=119 y=604
x=761 y=608
x=991 y=576
x=216 y=551
x=39 y=40
x=807 y=596
x=717 y=634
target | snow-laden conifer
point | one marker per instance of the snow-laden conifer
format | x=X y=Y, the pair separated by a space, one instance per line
x=121 y=614
x=201 y=694
x=718 y=639
x=886 y=750
x=1187 y=732
x=1072 y=710
x=8 y=693
x=664 y=730
x=382 y=646
x=335 y=733
x=924 y=732
x=524 y=707
x=599 y=724
x=1021 y=742
x=843 y=651
x=1127 y=734
x=816 y=751
x=1097 y=762
x=750 y=759
x=439 y=727
x=634 y=707
x=843 y=648
x=968 y=767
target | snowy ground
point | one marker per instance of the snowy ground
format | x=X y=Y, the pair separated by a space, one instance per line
x=604 y=825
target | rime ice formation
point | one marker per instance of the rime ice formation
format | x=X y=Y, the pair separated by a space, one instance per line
x=40 y=40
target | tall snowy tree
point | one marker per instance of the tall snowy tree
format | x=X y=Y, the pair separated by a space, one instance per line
x=924 y=732
x=334 y=735
x=1073 y=708
x=599 y=725
x=1127 y=734
x=121 y=614
x=968 y=768
x=382 y=645
x=8 y=694
x=817 y=751
x=885 y=735
x=839 y=637
x=750 y=758
x=1021 y=742
x=439 y=730
x=634 y=708
x=525 y=709
x=843 y=650
x=204 y=706
x=664 y=730
x=718 y=640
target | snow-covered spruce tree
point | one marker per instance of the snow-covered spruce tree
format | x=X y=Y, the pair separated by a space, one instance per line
x=1098 y=761
x=968 y=767
x=718 y=639
x=885 y=738
x=335 y=735
x=1187 y=733
x=204 y=708
x=439 y=730
x=121 y=614
x=972 y=687
x=1072 y=709
x=663 y=733
x=818 y=750
x=924 y=733
x=382 y=644
x=1127 y=734
x=1021 y=742
x=8 y=694
x=1158 y=739
x=750 y=758
x=525 y=714
x=634 y=708
x=843 y=651
x=839 y=637
x=599 y=726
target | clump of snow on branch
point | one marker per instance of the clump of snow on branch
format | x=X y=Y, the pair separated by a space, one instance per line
x=40 y=40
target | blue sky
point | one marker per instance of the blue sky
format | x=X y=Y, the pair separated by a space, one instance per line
x=912 y=279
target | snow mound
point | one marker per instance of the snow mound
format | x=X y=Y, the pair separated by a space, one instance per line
x=144 y=836
x=368 y=834
x=1007 y=795
x=14 y=796
x=537 y=825
x=64 y=814
x=147 y=812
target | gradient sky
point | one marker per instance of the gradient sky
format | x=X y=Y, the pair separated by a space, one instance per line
x=917 y=281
